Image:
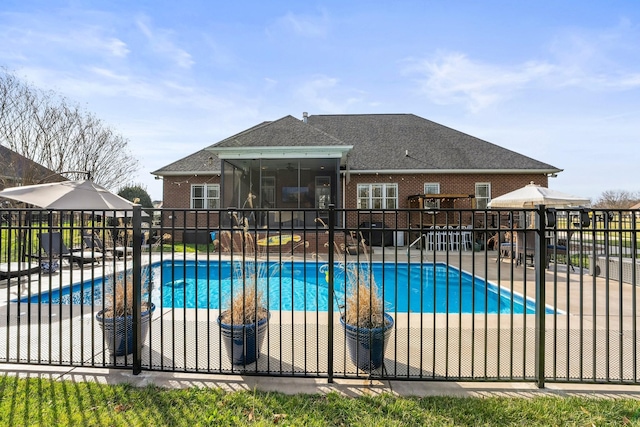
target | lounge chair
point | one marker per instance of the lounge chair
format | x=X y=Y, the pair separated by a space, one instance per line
x=526 y=246
x=53 y=247
x=10 y=270
x=557 y=247
x=93 y=241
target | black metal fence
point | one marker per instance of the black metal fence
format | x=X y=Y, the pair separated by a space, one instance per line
x=498 y=295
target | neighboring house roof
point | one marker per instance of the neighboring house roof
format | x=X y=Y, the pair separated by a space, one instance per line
x=15 y=168
x=374 y=142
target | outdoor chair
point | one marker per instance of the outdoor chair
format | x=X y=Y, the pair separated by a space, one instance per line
x=454 y=236
x=54 y=248
x=157 y=241
x=559 y=247
x=506 y=247
x=526 y=247
x=354 y=245
x=442 y=238
x=10 y=270
x=467 y=238
x=93 y=241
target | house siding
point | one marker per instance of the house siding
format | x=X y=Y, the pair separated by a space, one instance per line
x=176 y=195
x=409 y=185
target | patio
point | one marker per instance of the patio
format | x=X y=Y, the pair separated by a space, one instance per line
x=425 y=346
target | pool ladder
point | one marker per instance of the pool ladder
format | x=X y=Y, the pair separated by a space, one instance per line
x=422 y=236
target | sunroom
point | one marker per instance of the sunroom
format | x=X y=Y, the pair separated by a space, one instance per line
x=290 y=186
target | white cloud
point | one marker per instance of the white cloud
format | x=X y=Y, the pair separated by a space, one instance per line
x=311 y=26
x=109 y=74
x=93 y=84
x=269 y=85
x=597 y=60
x=161 y=43
x=117 y=47
x=630 y=81
x=325 y=94
x=44 y=37
x=453 y=78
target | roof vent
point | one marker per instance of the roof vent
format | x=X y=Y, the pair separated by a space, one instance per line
x=305 y=116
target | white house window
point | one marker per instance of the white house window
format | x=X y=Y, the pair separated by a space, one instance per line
x=205 y=196
x=377 y=196
x=483 y=194
x=432 y=188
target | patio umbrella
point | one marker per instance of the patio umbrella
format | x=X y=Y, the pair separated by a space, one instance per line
x=532 y=194
x=69 y=195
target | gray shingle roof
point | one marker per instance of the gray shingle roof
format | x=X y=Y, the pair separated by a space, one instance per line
x=201 y=162
x=285 y=132
x=380 y=142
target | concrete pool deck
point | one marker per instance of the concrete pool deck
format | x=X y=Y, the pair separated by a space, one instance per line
x=434 y=346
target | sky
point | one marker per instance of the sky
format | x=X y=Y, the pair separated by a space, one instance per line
x=558 y=81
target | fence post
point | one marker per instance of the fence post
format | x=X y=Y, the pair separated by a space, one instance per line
x=540 y=266
x=137 y=288
x=332 y=225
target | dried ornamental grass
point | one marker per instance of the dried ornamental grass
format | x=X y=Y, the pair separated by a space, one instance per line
x=119 y=302
x=246 y=307
x=364 y=307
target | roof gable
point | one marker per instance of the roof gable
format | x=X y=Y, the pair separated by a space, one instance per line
x=285 y=132
x=201 y=162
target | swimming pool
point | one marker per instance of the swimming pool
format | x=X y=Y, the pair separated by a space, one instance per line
x=407 y=287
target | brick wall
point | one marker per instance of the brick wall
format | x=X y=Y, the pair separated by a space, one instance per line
x=409 y=185
x=177 y=193
x=449 y=184
x=176 y=190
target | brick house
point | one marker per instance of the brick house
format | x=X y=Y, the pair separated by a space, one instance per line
x=362 y=161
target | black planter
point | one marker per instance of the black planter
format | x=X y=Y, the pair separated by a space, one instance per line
x=366 y=346
x=243 y=342
x=118 y=331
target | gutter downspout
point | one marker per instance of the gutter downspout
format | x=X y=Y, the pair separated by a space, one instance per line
x=344 y=199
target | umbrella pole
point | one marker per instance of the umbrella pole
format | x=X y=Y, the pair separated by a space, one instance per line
x=22 y=236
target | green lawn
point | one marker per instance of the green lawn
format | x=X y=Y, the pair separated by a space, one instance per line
x=36 y=401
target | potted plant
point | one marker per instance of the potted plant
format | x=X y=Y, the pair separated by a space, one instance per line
x=116 y=319
x=366 y=325
x=245 y=320
x=243 y=325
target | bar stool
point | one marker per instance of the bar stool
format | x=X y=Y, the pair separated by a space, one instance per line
x=467 y=240
x=453 y=236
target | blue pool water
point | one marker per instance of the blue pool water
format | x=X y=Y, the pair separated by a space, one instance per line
x=411 y=288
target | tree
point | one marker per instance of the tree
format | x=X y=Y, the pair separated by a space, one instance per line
x=617 y=199
x=138 y=192
x=47 y=129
